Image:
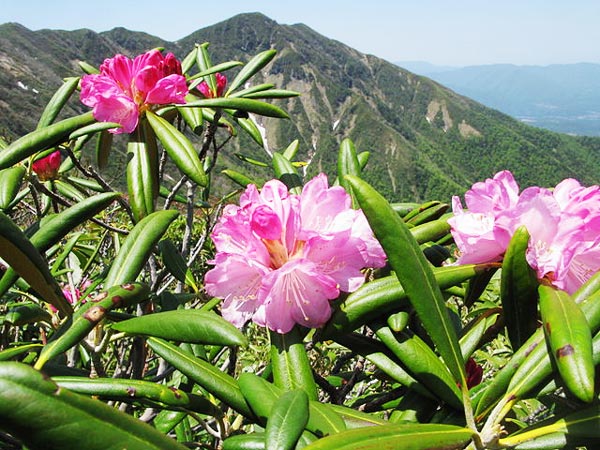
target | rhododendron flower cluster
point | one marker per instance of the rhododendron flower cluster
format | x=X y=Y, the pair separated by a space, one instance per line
x=125 y=88
x=46 y=168
x=563 y=223
x=281 y=257
x=205 y=90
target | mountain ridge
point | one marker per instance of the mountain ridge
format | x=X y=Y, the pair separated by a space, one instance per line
x=425 y=140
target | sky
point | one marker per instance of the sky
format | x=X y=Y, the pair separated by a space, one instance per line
x=452 y=32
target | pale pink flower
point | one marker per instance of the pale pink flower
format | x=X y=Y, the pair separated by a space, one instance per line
x=125 y=88
x=221 y=80
x=563 y=224
x=46 y=168
x=282 y=257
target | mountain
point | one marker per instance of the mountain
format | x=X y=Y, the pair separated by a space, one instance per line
x=559 y=97
x=426 y=141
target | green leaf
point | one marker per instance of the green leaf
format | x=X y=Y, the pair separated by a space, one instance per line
x=385 y=295
x=251 y=90
x=239 y=178
x=430 y=231
x=291 y=150
x=24 y=258
x=88 y=316
x=252 y=441
x=518 y=290
x=354 y=418
x=287 y=420
x=413 y=272
x=218 y=383
x=251 y=68
x=103 y=148
x=241 y=104
x=348 y=165
x=287 y=173
x=250 y=127
x=27 y=313
x=272 y=93
x=42 y=415
x=58 y=100
x=184 y=325
x=142 y=173
x=56 y=227
x=291 y=367
x=394 y=437
x=10 y=183
x=192 y=116
x=570 y=339
x=175 y=263
x=138 y=245
x=12 y=352
x=42 y=139
x=179 y=149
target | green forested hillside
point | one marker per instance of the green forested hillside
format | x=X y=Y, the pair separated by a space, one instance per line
x=425 y=141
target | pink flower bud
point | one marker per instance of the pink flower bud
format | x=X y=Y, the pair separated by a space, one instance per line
x=47 y=168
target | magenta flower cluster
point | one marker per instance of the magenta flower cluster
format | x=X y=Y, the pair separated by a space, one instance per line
x=282 y=257
x=563 y=223
x=125 y=88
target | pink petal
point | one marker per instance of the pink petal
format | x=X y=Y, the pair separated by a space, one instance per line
x=119 y=109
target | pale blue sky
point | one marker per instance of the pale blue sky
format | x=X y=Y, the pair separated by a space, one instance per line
x=458 y=32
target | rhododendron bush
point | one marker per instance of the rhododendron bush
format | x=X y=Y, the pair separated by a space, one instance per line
x=296 y=310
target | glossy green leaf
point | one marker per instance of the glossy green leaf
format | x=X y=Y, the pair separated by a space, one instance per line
x=56 y=227
x=88 y=130
x=251 y=90
x=24 y=258
x=87 y=68
x=138 y=245
x=251 y=68
x=430 y=231
x=241 y=104
x=291 y=367
x=42 y=415
x=58 y=100
x=13 y=352
x=192 y=116
x=179 y=148
x=570 y=339
x=239 y=178
x=422 y=363
x=10 y=183
x=287 y=420
x=88 y=316
x=413 y=272
x=394 y=437
x=432 y=211
x=252 y=441
x=218 y=383
x=272 y=93
x=398 y=321
x=385 y=295
x=142 y=173
x=348 y=165
x=41 y=139
x=518 y=290
x=354 y=418
x=249 y=126
x=175 y=263
x=287 y=173
x=184 y=325
x=103 y=148
x=27 y=313
x=291 y=150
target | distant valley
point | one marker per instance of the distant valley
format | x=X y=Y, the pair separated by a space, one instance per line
x=559 y=97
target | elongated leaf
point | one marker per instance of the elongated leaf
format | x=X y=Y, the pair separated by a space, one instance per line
x=142 y=174
x=272 y=93
x=56 y=227
x=570 y=339
x=42 y=415
x=192 y=116
x=88 y=316
x=518 y=290
x=12 y=352
x=241 y=104
x=291 y=150
x=27 y=313
x=253 y=441
x=137 y=247
x=348 y=165
x=23 y=257
x=354 y=418
x=175 y=263
x=291 y=367
x=252 y=67
x=249 y=126
x=430 y=231
x=103 y=148
x=219 y=384
x=385 y=295
x=10 y=183
x=394 y=437
x=179 y=149
x=287 y=173
x=185 y=325
x=58 y=100
x=251 y=90
x=413 y=272
x=421 y=363
x=239 y=178
x=287 y=420
x=41 y=139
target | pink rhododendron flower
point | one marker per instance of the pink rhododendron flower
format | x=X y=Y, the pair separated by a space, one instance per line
x=205 y=90
x=282 y=257
x=47 y=168
x=563 y=224
x=125 y=88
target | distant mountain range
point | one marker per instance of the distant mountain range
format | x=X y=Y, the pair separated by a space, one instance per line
x=426 y=142
x=559 y=97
